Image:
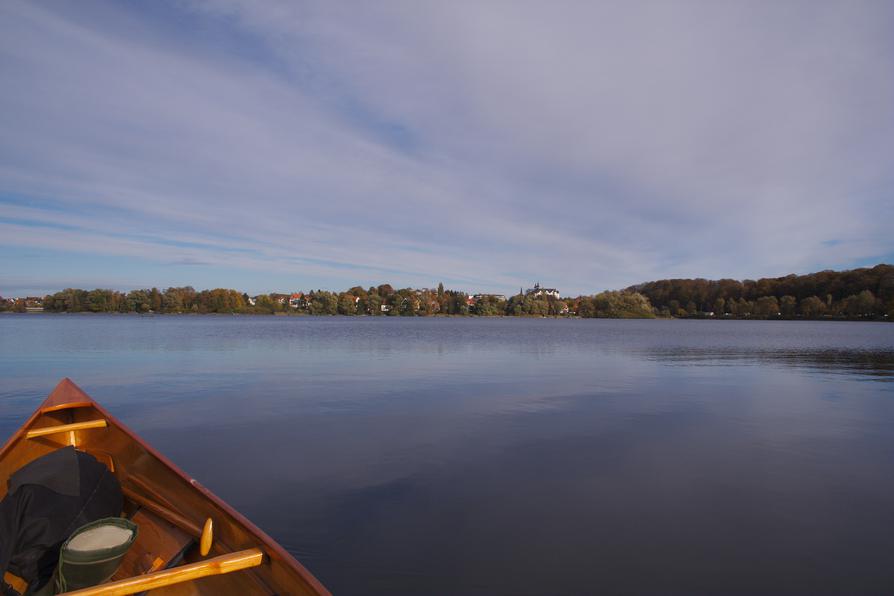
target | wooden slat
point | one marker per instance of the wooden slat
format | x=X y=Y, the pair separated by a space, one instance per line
x=237 y=561
x=64 y=428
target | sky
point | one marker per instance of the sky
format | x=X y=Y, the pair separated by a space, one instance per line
x=286 y=145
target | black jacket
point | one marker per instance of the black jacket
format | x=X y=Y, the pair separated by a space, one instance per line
x=47 y=500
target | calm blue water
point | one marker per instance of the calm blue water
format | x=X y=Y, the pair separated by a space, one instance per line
x=510 y=456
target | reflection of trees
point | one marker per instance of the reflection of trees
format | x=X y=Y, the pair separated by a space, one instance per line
x=878 y=364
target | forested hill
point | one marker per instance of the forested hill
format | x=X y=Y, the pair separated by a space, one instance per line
x=858 y=293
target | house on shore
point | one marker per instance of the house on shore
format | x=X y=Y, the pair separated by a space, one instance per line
x=297 y=300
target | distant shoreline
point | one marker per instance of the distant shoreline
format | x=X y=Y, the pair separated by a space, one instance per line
x=434 y=316
x=859 y=295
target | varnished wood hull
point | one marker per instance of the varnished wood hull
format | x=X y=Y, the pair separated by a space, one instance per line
x=152 y=481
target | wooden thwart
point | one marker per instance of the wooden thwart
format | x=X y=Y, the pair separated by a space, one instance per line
x=237 y=561
x=64 y=428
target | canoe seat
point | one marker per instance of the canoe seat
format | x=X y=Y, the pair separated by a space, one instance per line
x=159 y=545
x=64 y=428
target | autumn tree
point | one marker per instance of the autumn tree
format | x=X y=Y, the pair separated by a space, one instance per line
x=788 y=305
x=373 y=304
x=812 y=307
x=766 y=306
x=719 y=306
x=347 y=304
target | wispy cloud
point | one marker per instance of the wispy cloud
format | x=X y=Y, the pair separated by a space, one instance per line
x=587 y=145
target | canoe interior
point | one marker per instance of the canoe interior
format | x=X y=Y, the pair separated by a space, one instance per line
x=149 y=482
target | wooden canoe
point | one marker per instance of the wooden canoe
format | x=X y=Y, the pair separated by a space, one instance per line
x=190 y=541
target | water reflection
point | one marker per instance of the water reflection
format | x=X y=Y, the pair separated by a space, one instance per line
x=875 y=365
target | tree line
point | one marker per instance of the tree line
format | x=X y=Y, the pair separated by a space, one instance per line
x=863 y=294
x=382 y=300
x=866 y=293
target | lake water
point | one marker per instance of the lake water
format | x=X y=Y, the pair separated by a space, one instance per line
x=512 y=456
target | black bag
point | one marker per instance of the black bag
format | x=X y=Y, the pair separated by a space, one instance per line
x=47 y=500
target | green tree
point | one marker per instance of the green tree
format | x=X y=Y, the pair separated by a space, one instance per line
x=516 y=305
x=347 y=304
x=265 y=304
x=812 y=307
x=766 y=306
x=178 y=299
x=860 y=305
x=719 y=307
x=674 y=308
x=586 y=308
x=155 y=300
x=458 y=303
x=488 y=306
x=374 y=304
x=537 y=307
x=788 y=305
x=324 y=303
x=428 y=303
x=138 y=301
x=408 y=306
x=615 y=305
x=99 y=300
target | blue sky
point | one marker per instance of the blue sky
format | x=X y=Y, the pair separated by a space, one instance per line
x=276 y=146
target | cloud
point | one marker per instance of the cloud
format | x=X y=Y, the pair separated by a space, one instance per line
x=588 y=145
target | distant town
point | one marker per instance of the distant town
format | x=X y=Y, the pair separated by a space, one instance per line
x=858 y=294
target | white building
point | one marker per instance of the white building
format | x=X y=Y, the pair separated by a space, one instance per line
x=537 y=291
